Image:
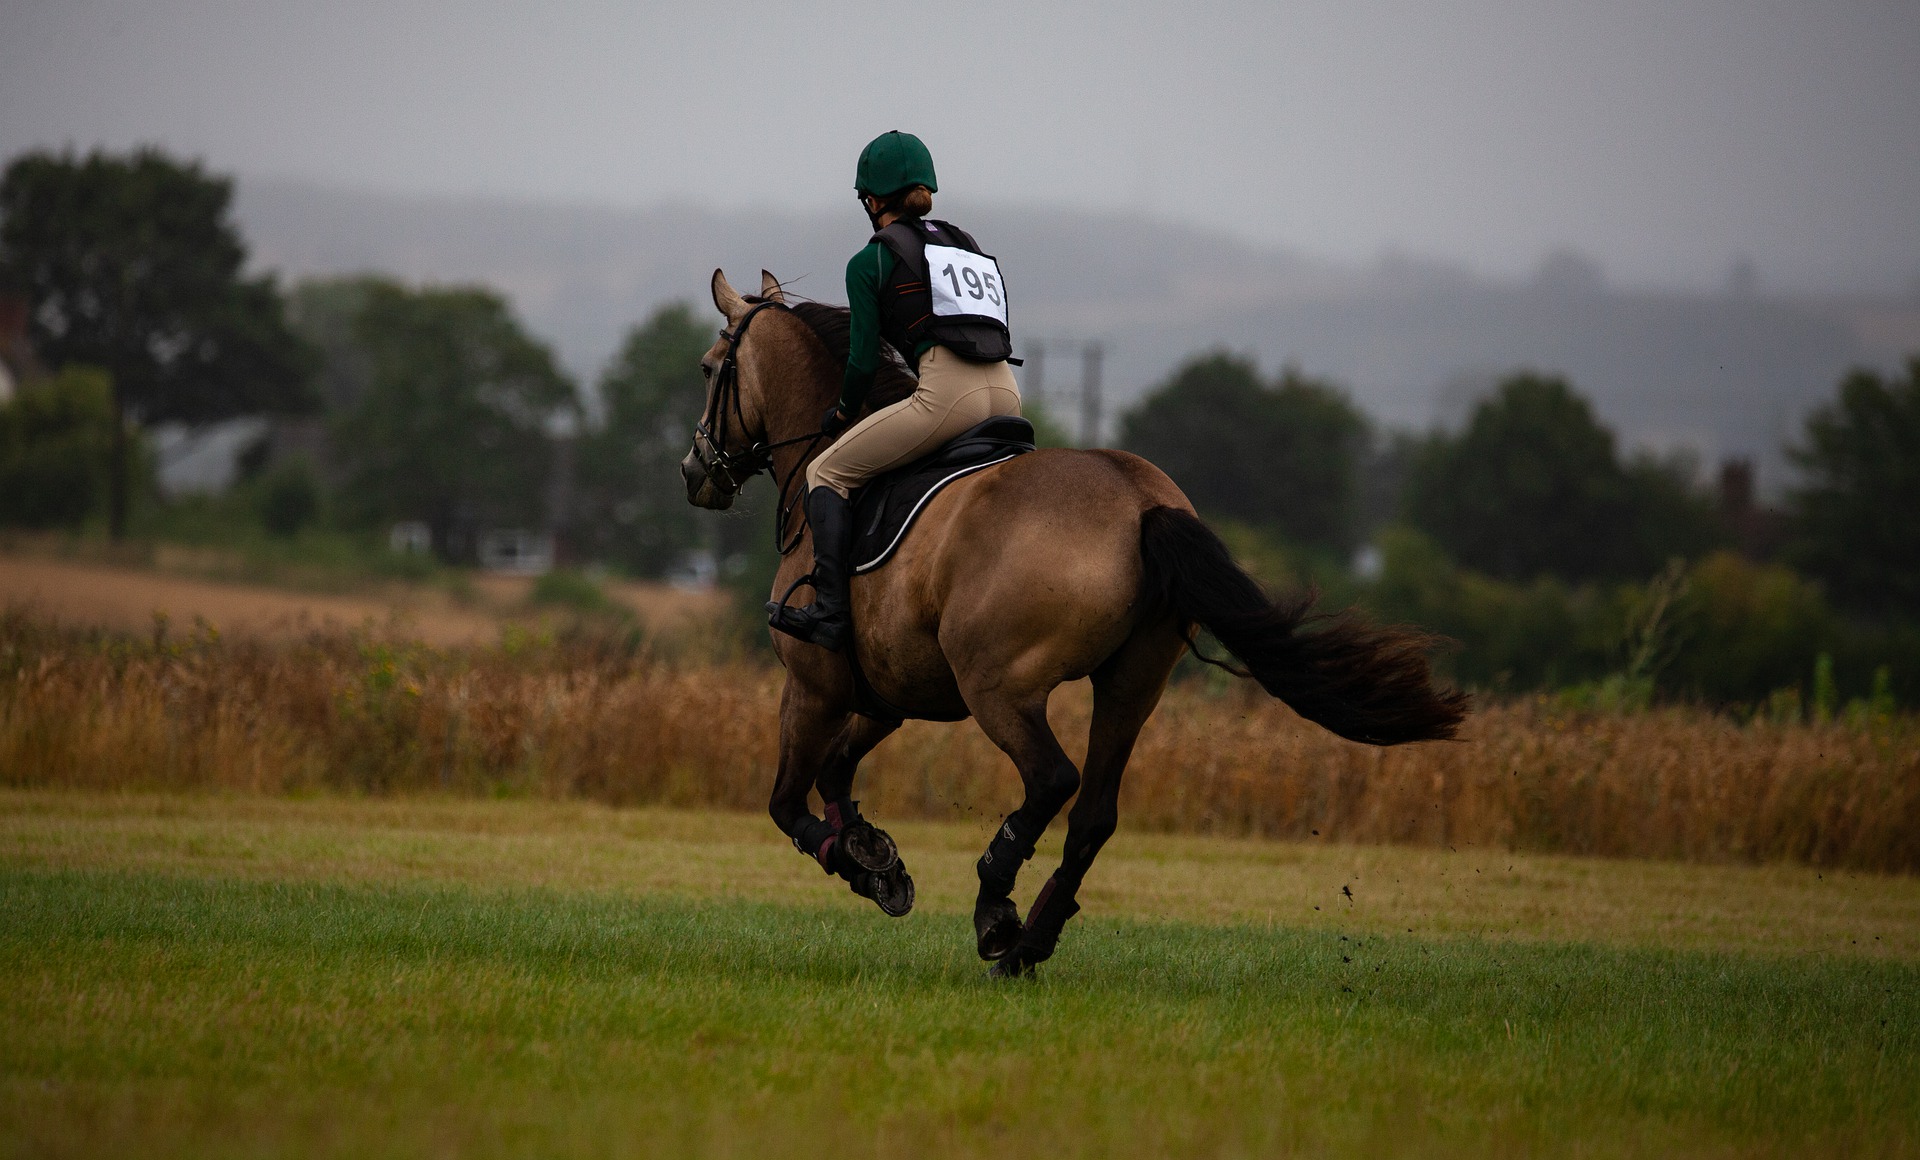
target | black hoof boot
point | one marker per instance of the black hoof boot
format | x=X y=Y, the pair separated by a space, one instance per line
x=1013 y=966
x=996 y=927
x=891 y=889
x=1041 y=932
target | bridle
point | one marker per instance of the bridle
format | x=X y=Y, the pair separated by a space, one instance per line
x=729 y=471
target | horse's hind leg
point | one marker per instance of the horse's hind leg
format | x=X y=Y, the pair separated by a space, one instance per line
x=1019 y=728
x=1125 y=691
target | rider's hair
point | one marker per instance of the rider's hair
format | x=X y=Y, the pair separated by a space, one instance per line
x=917 y=201
x=913 y=201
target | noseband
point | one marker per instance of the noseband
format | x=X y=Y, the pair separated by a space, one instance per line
x=729 y=471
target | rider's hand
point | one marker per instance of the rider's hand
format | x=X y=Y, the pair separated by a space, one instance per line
x=836 y=421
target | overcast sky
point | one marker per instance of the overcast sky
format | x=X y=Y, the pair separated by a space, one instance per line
x=1663 y=137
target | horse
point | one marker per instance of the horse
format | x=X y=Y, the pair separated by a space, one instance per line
x=1054 y=566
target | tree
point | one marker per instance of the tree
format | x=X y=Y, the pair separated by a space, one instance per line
x=1668 y=515
x=452 y=426
x=1534 y=487
x=326 y=313
x=651 y=393
x=1280 y=456
x=54 y=437
x=1857 y=519
x=289 y=497
x=133 y=265
x=1047 y=432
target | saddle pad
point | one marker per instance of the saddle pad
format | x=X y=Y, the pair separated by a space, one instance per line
x=885 y=510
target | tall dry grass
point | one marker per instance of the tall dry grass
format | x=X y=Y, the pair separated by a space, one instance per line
x=587 y=718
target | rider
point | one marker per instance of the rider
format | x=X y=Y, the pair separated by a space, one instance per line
x=926 y=288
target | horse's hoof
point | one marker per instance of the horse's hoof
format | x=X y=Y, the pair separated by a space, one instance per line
x=997 y=929
x=869 y=847
x=1013 y=966
x=891 y=890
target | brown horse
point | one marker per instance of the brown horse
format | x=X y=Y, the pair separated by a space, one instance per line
x=1051 y=567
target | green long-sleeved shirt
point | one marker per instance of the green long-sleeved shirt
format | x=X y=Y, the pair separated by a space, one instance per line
x=867 y=274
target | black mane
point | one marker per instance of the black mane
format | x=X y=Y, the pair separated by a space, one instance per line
x=831 y=325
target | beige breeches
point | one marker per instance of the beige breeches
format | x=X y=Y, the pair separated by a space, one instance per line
x=953 y=395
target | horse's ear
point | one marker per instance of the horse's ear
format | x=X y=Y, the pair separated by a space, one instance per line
x=770 y=289
x=726 y=299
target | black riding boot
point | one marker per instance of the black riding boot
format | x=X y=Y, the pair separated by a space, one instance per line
x=828 y=621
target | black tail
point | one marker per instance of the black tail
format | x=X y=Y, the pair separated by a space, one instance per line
x=1365 y=682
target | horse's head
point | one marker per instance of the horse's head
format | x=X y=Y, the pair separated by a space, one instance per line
x=730 y=441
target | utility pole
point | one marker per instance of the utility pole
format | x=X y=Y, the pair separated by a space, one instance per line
x=1090 y=395
x=1035 y=388
x=563 y=428
x=1033 y=385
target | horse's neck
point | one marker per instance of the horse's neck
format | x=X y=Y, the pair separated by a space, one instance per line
x=802 y=387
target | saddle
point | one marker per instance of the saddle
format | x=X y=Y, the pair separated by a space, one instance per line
x=885 y=509
x=884 y=512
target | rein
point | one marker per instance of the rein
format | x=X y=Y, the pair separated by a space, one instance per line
x=729 y=470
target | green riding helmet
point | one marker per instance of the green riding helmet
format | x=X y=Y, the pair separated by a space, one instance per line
x=891 y=162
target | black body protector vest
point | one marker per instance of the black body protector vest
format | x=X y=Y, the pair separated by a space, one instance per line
x=945 y=289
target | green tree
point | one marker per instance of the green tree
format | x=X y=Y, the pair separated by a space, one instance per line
x=1669 y=515
x=326 y=313
x=1745 y=630
x=289 y=497
x=1534 y=486
x=133 y=264
x=452 y=427
x=1047 y=432
x=1540 y=633
x=633 y=503
x=1281 y=456
x=54 y=437
x=1858 y=516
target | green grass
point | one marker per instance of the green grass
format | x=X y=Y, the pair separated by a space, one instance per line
x=170 y=1014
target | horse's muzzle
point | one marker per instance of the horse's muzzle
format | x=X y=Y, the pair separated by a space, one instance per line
x=701 y=491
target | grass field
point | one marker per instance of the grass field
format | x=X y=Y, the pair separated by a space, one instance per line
x=203 y=976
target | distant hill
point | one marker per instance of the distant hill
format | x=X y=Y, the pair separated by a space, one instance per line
x=1414 y=342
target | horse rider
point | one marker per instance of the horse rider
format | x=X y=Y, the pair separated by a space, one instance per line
x=925 y=287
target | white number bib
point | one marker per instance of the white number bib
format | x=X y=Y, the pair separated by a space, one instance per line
x=964 y=282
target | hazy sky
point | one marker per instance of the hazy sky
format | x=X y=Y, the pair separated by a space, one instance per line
x=1664 y=137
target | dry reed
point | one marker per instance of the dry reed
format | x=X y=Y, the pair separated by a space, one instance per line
x=354 y=713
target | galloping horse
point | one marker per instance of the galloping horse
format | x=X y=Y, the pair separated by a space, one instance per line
x=1051 y=567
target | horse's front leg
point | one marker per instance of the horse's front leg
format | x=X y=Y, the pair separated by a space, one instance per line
x=808 y=725
x=862 y=853
x=821 y=745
